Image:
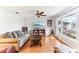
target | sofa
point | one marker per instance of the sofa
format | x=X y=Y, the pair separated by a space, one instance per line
x=14 y=38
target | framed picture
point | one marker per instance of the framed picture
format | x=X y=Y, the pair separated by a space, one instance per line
x=49 y=22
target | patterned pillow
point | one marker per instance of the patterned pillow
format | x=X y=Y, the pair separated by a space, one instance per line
x=15 y=34
x=20 y=33
x=11 y=49
x=10 y=35
x=3 y=51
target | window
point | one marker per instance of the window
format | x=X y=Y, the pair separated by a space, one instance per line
x=69 y=26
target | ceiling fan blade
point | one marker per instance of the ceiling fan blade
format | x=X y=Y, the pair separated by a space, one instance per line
x=43 y=15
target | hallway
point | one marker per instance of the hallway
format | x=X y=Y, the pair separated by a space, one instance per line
x=47 y=46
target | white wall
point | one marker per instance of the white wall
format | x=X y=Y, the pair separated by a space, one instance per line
x=30 y=20
x=54 y=25
x=10 y=21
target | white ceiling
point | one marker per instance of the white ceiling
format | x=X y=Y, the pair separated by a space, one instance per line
x=28 y=11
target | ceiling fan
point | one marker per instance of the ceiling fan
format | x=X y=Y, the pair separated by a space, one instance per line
x=38 y=14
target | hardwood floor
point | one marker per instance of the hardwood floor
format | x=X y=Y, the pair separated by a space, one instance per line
x=47 y=46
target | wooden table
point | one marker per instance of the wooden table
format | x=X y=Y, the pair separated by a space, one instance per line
x=35 y=40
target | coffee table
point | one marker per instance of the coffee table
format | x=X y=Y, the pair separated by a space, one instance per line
x=35 y=40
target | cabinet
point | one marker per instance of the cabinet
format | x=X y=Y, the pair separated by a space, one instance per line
x=39 y=32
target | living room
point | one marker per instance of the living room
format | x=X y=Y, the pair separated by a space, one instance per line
x=31 y=18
